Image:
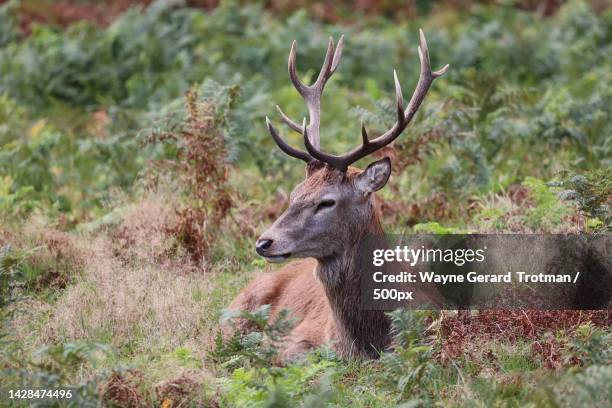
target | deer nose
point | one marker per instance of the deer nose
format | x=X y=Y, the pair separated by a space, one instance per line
x=261 y=245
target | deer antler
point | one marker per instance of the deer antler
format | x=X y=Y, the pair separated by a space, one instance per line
x=312 y=95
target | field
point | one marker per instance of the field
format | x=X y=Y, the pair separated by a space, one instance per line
x=136 y=173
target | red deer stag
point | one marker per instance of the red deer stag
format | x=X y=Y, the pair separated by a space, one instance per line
x=328 y=214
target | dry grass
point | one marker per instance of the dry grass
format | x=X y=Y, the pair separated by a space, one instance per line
x=121 y=390
x=183 y=391
x=142 y=233
x=115 y=298
x=53 y=258
x=201 y=168
x=137 y=302
x=137 y=293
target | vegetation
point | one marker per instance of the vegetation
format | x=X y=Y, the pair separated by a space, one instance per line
x=136 y=172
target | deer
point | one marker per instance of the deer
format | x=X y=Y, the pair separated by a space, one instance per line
x=327 y=216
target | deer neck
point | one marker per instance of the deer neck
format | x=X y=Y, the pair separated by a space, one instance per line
x=359 y=332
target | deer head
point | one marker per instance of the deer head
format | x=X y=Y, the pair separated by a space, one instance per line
x=334 y=205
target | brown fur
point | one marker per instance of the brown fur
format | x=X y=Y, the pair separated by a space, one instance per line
x=324 y=294
x=296 y=288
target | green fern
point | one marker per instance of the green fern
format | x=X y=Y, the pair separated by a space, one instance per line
x=410 y=360
x=258 y=347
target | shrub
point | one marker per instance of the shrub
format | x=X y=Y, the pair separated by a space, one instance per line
x=252 y=357
x=410 y=360
x=127 y=64
x=589 y=388
x=9 y=270
x=548 y=210
x=283 y=387
x=590 y=345
x=258 y=347
x=9 y=26
x=62 y=366
x=201 y=166
x=592 y=193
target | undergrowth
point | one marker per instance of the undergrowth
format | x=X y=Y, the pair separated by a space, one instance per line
x=202 y=168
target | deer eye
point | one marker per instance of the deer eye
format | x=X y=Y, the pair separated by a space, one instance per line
x=325 y=204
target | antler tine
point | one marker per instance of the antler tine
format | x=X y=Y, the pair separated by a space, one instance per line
x=364 y=135
x=331 y=62
x=337 y=54
x=404 y=117
x=425 y=79
x=299 y=85
x=288 y=120
x=312 y=94
x=401 y=116
x=425 y=51
x=291 y=151
x=399 y=97
x=325 y=71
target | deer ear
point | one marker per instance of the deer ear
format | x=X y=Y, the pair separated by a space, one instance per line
x=375 y=176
